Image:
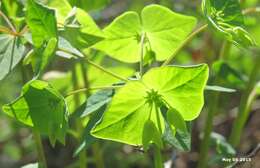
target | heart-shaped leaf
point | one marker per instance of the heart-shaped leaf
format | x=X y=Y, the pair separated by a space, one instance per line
x=42 y=107
x=180 y=87
x=163 y=29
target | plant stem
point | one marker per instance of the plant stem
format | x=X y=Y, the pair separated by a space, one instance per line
x=213 y=107
x=82 y=154
x=205 y=143
x=185 y=42
x=142 y=54
x=245 y=105
x=36 y=135
x=158 y=163
x=85 y=78
x=158 y=119
x=9 y=23
x=105 y=70
x=41 y=156
x=88 y=89
x=98 y=155
x=95 y=65
x=251 y=10
x=225 y=50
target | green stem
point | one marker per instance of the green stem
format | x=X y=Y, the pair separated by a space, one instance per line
x=185 y=42
x=79 y=127
x=88 y=89
x=41 y=156
x=225 y=50
x=85 y=78
x=205 y=143
x=105 y=70
x=142 y=54
x=245 y=105
x=158 y=163
x=98 y=155
x=212 y=109
x=158 y=119
x=95 y=65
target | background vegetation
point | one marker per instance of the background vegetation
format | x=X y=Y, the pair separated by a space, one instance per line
x=230 y=119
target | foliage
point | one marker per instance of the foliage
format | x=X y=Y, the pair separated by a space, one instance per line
x=90 y=75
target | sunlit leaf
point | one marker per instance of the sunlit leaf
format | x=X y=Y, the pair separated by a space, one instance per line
x=62 y=8
x=164 y=30
x=84 y=35
x=42 y=23
x=180 y=88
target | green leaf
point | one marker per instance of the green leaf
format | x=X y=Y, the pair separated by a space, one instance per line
x=164 y=30
x=65 y=46
x=96 y=101
x=42 y=107
x=175 y=119
x=219 y=89
x=221 y=145
x=178 y=139
x=132 y=105
x=151 y=135
x=43 y=56
x=84 y=35
x=90 y=5
x=42 y=23
x=62 y=9
x=228 y=76
x=31 y=165
x=88 y=139
x=11 y=53
x=226 y=17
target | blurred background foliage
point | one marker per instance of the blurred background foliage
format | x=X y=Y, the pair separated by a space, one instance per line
x=16 y=144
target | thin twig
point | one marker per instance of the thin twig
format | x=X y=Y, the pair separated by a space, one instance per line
x=95 y=65
x=88 y=89
x=8 y=21
x=185 y=42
